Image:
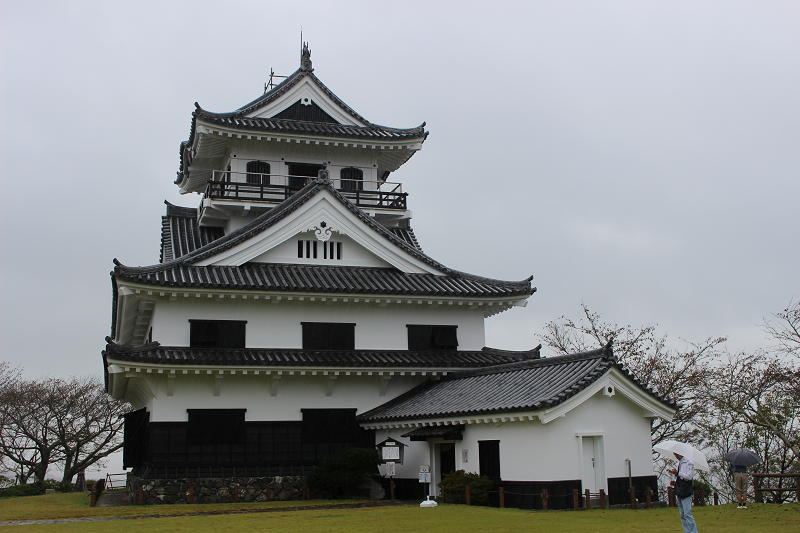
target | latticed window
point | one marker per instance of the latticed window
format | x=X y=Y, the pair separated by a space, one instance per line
x=352 y=179
x=258 y=172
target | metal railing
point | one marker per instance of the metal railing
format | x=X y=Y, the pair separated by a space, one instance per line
x=230 y=185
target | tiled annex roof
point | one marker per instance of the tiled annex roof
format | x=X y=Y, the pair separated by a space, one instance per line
x=181 y=271
x=523 y=386
x=154 y=353
x=181 y=233
x=238 y=119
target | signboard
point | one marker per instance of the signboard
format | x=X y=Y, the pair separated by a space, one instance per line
x=464 y=456
x=424 y=477
x=391 y=453
x=390 y=469
x=424 y=469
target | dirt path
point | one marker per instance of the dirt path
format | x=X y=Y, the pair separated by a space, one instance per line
x=208 y=513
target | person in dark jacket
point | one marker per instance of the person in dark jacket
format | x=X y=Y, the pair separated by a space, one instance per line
x=684 y=491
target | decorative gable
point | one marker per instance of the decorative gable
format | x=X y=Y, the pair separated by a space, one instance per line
x=320 y=227
x=306 y=99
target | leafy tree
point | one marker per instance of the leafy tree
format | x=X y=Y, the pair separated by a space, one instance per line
x=50 y=421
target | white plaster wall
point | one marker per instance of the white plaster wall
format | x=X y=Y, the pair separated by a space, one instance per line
x=532 y=451
x=277 y=325
x=278 y=154
x=253 y=392
x=353 y=254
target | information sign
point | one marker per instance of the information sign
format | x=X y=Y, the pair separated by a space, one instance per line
x=424 y=477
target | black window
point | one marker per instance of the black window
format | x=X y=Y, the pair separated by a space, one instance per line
x=489 y=458
x=217 y=333
x=215 y=426
x=300 y=172
x=352 y=179
x=328 y=336
x=258 y=172
x=425 y=338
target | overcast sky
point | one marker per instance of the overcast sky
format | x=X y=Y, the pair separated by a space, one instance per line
x=641 y=157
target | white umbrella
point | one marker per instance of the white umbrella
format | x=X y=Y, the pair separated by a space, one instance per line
x=670 y=447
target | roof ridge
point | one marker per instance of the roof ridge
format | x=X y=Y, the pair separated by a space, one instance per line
x=599 y=353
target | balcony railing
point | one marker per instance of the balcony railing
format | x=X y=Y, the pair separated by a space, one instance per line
x=363 y=193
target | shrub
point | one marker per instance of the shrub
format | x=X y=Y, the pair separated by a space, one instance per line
x=455 y=487
x=341 y=473
x=20 y=490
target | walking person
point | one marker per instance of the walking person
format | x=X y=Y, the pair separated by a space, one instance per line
x=684 y=489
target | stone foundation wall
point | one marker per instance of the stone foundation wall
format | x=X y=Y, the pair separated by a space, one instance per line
x=215 y=490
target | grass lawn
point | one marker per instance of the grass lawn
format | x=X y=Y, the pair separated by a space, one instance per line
x=443 y=519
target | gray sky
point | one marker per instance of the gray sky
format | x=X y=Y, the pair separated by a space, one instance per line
x=641 y=157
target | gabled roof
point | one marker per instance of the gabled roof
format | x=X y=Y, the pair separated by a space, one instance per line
x=522 y=386
x=184 y=271
x=320 y=125
x=182 y=234
x=154 y=353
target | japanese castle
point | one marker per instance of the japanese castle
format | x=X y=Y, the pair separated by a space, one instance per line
x=294 y=314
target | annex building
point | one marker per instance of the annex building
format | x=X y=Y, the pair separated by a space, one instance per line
x=294 y=314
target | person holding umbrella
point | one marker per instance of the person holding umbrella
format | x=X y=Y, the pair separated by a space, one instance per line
x=740 y=459
x=688 y=458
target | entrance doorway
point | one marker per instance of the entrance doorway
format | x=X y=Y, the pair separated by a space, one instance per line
x=592 y=470
x=447 y=458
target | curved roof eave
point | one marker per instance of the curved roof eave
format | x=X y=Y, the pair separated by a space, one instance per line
x=276 y=92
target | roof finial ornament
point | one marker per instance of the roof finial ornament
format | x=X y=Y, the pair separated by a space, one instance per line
x=305 y=59
x=324 y=175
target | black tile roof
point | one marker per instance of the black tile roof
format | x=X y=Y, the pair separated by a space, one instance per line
x=181 y=233
x=182 y=271
x=523 y=386
x=238 y=119
x=154 y=353
x=317 y=279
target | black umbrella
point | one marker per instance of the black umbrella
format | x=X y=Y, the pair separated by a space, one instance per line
x=742 y=457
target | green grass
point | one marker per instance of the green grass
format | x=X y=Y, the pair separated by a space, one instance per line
x=405 y=519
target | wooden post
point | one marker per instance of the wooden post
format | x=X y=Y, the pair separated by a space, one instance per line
x=797 y=486
x=757 y=484
x=305 y=491
x=191 y=494
x=391 y=489
x=716 y=498
x=633 y=498
x=544 y=499
x=649 y=498
x=141 y=496
x=602 y=499
x=269 y=493
x=468 y=502
x=236 y=494
x=93 y=501
x=502 y=499
x=588 y=497
x=671 y=497
x=576 y=499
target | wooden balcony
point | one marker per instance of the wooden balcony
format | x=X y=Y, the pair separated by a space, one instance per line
x=364 y=194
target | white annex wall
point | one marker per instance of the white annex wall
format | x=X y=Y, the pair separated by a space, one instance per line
x=278 y=325
x=547 y=452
